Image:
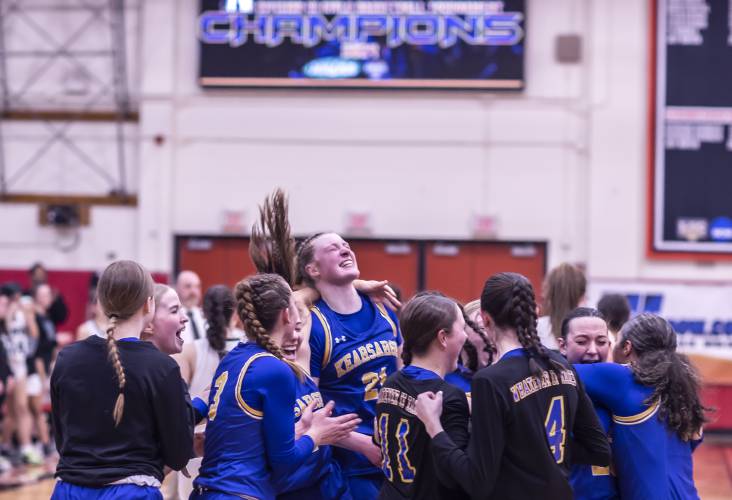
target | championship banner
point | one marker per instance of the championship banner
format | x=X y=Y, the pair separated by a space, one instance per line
x=362 y=44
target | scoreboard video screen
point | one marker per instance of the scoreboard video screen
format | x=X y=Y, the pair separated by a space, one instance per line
x=692 y=128
x=354 y=43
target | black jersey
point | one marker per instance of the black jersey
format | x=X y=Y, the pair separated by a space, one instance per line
x=408 y=465
x=526 y=432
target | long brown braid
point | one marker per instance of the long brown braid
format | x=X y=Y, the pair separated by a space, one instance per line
x=260 y=299
x=509 y=299
x=271 y=247
x=113 y=354
x=123 y=289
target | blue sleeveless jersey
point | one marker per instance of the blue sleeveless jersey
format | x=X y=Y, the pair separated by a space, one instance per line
x=250 y=434
x=352 y=366
x=590 y=482
x=651 y=461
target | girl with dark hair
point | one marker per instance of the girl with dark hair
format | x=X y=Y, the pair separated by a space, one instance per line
x=656 y=410
x=252 y=398
x=117 y=403
x=527 y=408
x=434 y=333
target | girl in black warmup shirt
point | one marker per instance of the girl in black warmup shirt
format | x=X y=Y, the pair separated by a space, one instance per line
x=121 y=412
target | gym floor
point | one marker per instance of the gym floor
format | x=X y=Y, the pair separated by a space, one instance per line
x=712 y=470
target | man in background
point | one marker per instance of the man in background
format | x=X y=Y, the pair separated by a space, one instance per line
x=57 y=311
x=188 y=286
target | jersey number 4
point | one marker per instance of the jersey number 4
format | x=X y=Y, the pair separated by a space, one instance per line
x=406 y=471
x=556 y=434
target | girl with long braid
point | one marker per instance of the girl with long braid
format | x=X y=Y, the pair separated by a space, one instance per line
x=120 y=409
x=527 y=409
x=250 y=435
x=656 y=410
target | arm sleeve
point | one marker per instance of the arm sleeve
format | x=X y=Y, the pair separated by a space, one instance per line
x=174 y=417
x=476 y=469
x=455 y=418
x=602 y=383
x=317 y=345
x=589 y=441
x=201 y=409
x=276 y=384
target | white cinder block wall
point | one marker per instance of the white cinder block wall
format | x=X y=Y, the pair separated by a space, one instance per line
x=564 y=161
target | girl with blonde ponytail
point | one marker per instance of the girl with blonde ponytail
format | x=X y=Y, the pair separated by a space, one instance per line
x=120 y=408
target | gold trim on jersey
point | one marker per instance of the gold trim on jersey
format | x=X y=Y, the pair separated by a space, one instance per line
x=328 y=336
x=382 y=311
x=256 y=414
x=638 y=418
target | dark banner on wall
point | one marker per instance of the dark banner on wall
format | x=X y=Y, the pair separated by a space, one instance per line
x=692 y=164
x=354 y=43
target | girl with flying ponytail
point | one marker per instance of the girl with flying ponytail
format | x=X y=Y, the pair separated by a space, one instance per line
x=120 y=409
x=527 y=409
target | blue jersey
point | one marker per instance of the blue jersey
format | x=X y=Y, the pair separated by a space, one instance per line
x=250 y=434
x=353 y=355
x=651 y=461
x=590 y=482
x=320 y=476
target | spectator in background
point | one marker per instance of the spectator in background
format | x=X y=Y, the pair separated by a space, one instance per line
x=188 y=286
x=616 y=310
x=564 y=290
x=20 y=340
x=96 y=323
x=58 y=311
x=5 y=373
x=39 y=365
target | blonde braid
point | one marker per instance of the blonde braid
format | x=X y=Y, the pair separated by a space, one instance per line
x=248 y=298
x=254 y=326
x=113 y=354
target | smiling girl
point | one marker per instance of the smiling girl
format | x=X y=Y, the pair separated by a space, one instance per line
x=252 y=397
x=355 y=346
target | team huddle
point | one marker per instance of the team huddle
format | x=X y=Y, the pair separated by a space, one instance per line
x=333 y=394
